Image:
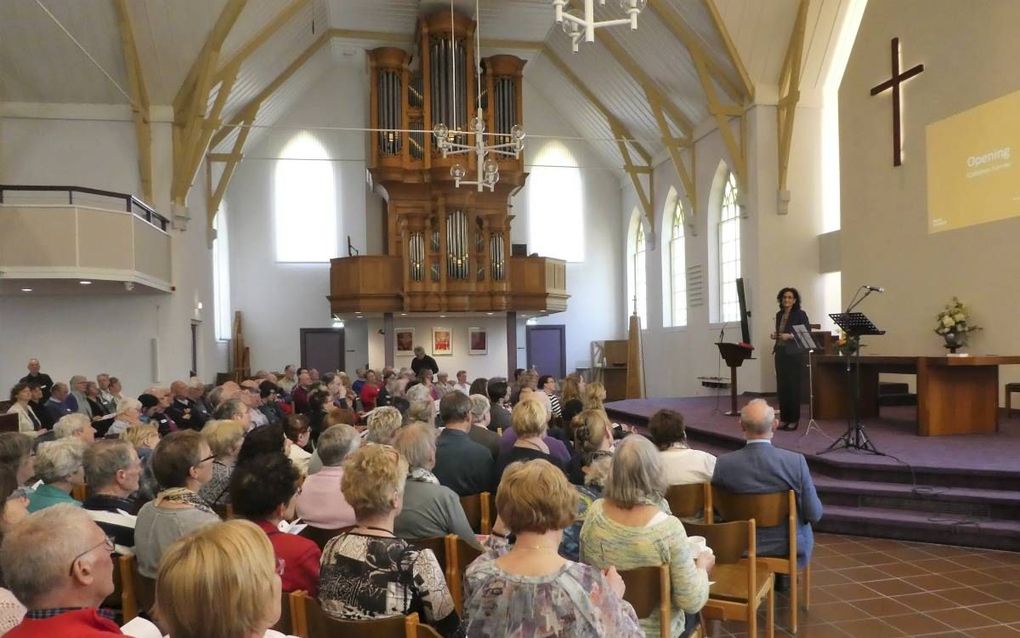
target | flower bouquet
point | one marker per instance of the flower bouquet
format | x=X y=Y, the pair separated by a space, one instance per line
x=847 y=346
x=952 y=325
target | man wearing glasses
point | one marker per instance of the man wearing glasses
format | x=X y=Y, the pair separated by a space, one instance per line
x=57 y=562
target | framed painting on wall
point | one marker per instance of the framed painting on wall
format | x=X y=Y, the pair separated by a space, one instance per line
x=442 y=341
x=404 y=338
x=478 y=341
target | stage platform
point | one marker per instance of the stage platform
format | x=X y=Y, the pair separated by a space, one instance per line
x=961 y=489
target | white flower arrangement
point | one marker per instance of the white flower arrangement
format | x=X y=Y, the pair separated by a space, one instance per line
x=953 y=319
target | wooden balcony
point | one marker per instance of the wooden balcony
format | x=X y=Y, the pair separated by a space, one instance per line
x=378 y=283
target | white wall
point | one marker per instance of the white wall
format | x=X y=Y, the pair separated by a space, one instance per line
x=594 y=284
x=968 y=50
x=490 y=365
x=113 y=333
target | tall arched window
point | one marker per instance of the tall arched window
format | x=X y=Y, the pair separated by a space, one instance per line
x=640 y=287
x=728 y=234
x=305 y=202
x=678 y=267
x=555 y=205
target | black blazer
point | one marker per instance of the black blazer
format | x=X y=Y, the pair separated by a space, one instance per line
x=797 y=317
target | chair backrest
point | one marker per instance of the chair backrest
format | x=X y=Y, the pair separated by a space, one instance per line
x=691 y=500
x=142 y=589
x=285 y=625
x=316 y=624
x=647 y=590
x=729 y=541
x=79 y=492
x=425 y=631
x=476 y=508
x=321 y=535
x=768 y=510
x=8 y=422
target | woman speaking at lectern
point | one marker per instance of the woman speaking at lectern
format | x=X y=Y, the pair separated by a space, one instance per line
x=788 y=357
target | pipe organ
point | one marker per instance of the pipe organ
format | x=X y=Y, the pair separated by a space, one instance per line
x=447 y=247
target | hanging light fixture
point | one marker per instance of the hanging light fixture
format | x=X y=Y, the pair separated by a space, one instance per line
x=578 y=28
x=487 y=167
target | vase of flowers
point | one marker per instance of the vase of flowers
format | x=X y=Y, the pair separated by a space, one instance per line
x=847 y=346
x=953 y=324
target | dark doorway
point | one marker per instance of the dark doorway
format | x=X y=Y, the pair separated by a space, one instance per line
x=547 y=349
x=322 y=349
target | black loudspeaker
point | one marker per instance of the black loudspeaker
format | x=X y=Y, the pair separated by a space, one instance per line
x=518 y=250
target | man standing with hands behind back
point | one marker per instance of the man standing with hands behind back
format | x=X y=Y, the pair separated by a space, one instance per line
x=423 y=361
x=41 y=379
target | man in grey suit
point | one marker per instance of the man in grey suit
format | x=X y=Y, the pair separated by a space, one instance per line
x=760 y=468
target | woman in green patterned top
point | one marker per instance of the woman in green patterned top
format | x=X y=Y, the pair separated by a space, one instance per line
x=626 y=528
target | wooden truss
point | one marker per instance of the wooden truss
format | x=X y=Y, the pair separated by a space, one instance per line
x=139 y=98
x=789 y=95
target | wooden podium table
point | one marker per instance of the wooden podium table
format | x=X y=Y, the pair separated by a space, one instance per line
x=955 y=395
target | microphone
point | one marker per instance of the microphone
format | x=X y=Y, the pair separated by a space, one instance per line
x=875 y=289
x=722 y=332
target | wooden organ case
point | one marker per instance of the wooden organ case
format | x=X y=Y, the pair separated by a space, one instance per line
x=447 y=248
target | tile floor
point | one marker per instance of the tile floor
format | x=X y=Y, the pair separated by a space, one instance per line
x=879 y=588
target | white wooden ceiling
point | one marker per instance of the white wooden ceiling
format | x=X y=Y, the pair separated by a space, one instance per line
x=40 y=63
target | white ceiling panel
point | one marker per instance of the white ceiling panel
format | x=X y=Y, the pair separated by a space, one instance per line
x=39 y=62
x=761 y=34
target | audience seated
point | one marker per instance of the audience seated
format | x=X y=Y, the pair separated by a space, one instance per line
x=557 y=449
x=57 y=563
x=234 y=410
x=595 y=467
x=759 y=468
x=55 y=406
x=478 y=386
x=572 y=389
x=369 y=390
x=182 y=464
x=529 y=427
x=112 y=472
x=264 y=491
x=76 y=401
x=58 y=464
x=13 y=510
x=101 y=417
x=547 y=384
x=592 y=433
x=199 y=402
x=183 y=410
x=461 y=464
x=127 y=415
x=430 y=509
x=320 y=503
x=28 y=420
x=528 y=590
x=383 y=423
x=75 y=425
x=224 y=439
x=270 y=406
x=499 y=414
x=203 y=591
x=144 y=438
x=628 y=529
x=38 y=406
x=320 y=402
x=264 y=440
x=106 y=397
x=681 y=464
x=368 y=572
x=299 y=395
x=480 y=433
x=594 y=396
x=17 y=455
x=295 y=427
x=251 y=396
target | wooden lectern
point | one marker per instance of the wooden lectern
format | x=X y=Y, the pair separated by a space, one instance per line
x=734 y=354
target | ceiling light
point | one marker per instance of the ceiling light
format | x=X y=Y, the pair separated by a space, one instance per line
x=26 y=290
x=85 y=282
x=583 y=28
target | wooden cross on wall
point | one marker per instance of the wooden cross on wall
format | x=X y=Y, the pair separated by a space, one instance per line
x=894 y=84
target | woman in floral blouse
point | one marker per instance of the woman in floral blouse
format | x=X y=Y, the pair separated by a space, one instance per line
x=528 y=590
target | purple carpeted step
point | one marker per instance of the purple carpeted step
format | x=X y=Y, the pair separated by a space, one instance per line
x=971 y=495
x=921 y=526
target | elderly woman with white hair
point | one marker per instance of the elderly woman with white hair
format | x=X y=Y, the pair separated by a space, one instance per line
x=627 y=528
x=77 y=400
x=127 y=415
x=74 y=425
x=430 y=509
x=383 y=423
x=481 y=415
x=60 y=466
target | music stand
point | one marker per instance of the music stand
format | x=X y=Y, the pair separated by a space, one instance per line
x=855 y=325
x=806 y=341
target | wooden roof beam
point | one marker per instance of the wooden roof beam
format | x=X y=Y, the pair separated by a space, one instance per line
x=789 y=95
x=674 y=145
x=139 y=98
x=267 y=31
x=220 y=31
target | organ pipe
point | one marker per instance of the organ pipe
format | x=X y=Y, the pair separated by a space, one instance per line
x=416 y=252
x=457 y=248
x=497 y=261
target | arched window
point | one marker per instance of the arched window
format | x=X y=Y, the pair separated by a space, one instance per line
x=640 y=287
x=305 y=202
x=555 y=205
x=728 y=236
x=221 y=276
x=677 y=266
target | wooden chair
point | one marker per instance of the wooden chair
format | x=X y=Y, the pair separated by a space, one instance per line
x=741 y=584
x=1010 y=389
x=321 y=535
x=138 y=593
x=79 y=492
x=311 y=622
x=691 y=501
x=224 y=510
x=8 y=422
x=770 y=510
x=285 y=624
x=647 y=591
x=479 y=516
x=458 y=556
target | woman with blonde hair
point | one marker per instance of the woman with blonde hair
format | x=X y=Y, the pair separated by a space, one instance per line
x=572 y=388
x=383 y=423
x=204 y=591
x=627 y=528
x=592 y=433
x=595 y=396
x=370 y=573
x=528 y=590
x=529 y=420
x=224 y=438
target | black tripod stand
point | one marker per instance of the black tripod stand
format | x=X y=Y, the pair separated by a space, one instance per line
x=855 y=325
